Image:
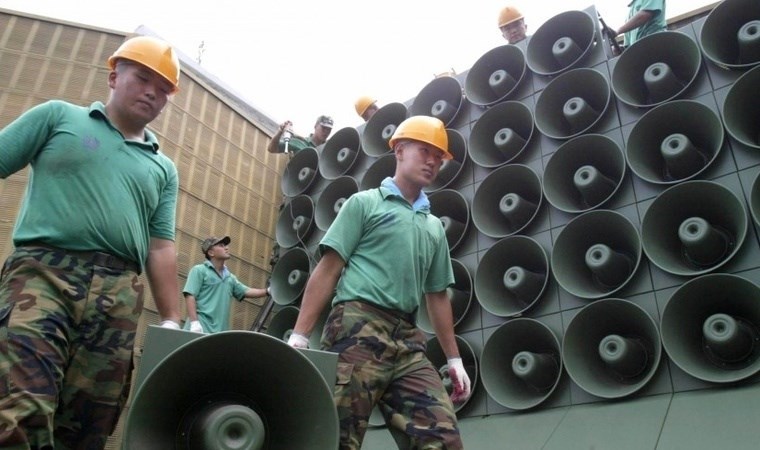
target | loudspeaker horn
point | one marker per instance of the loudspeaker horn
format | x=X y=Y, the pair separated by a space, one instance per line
x=754 y=200
x=380 y=128
x=451 y=168
x=506 y=201
x=460 y=295
x=452 y=209
x=674 y=141
x=332 y=198
x=583 y=173
x=441 y=98
x=340 y=153
x=512 y=276
x=270 y=396
x=384 y=166
x=289 y=276
x=295 y=222
x=693 y=228
x=495 y=75
x=742 y=107
x=596 y=254
x=730 y=35
x=439 y=360
x=501 y=134
x=282 y=323
x=611 y=348
x=655 y=69
x=562 y=43
x=572 y=103
x=521 y=363
x=301 y=173
x=711 y=328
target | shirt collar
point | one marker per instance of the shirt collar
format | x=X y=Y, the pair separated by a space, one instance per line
x=98 y=109
x=389 y=187
x=225 y=271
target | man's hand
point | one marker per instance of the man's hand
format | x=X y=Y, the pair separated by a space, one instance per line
x=170 y=324
x=298 y=341
x=196 y=327
x=459 y=379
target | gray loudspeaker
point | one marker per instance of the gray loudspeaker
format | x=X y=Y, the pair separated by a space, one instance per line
x=583 y=173
x=563 y=42
x=451 y=207
x=611 y=348
x=441 y=98
x=495 y=75
x=501 y=134
x=437 y=356
x=730 y=36
x=340 y=153
x=296 y=222
x=460 y=295
x=711 y=328
x=754 y=200
x=512 y=276
x=596 y=254
x=572 y=103
x=282 y=323
x=300 y=173
x=742 y=108
x=384 y=166
x=332 y=198
x=451 y=168
x=521 y=363
x=655 y=69
x=507 y=200
x=674 y=141
x=380 y=128
x=289 y=276
x=693 y=227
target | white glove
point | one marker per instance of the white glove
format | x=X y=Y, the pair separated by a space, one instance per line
x=196 y=327
x=298 y=341
x=459 y=379
x=170 y=324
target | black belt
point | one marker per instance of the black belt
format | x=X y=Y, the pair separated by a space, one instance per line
x=102 y=259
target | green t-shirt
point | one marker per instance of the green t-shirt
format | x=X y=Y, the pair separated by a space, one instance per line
x=657 y=7
x=296 y=144
x=212 y=294
x=394 y=252
x=89 y=189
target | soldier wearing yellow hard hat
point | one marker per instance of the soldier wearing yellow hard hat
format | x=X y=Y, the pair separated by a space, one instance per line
x=512 y=24
x=366 y=107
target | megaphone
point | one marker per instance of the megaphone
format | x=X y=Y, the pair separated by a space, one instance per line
x=507 y=200
x=611 y=348
x=563 y=42
x=340 y=153
x=729 y=35
x=295 y=223
x=521 y=363
x=583 y=173
x=754 y=200
x=451 y=168
x=452 y=209
x=501 y=134
x=656 y=68
x=495 y=75
x=693 y=227
x=460 y=295
x=741 y=107
x=380 y=128
x=384 y=166
x=300 y=173
x=209 y=394
x=511 y=276
x=439 y=360
x=289 y=276
x=711 y=328
x=332 y=198
x=282 y=323
x=572 y=103
x=596 y=254
x=441 y=98
x=674 y=141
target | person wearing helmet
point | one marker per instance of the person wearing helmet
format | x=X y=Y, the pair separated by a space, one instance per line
x=285 y=141
x=512 y=25
x=382 y=253
x=366 y=107
x=645 y=17
x=99 y=210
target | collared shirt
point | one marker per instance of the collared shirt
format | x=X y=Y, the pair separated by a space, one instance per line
x=212 y=292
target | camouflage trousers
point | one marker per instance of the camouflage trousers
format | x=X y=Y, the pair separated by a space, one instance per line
x=67 y=329
x=382 y=362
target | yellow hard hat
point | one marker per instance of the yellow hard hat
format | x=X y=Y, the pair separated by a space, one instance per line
x=425 y=129
x=362 y=103
x=152 y=53
x=509 y=15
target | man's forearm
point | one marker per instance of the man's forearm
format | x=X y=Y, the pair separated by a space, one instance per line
x=162 y=276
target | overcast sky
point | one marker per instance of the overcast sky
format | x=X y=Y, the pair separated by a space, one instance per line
x=298 y=59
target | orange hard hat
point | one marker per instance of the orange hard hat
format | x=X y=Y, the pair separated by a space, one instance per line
x=362 y=103
x=152 y=53
x=425 y=129
x=508 y=15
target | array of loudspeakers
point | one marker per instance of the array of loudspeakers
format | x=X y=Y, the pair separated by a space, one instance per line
x=601 y=211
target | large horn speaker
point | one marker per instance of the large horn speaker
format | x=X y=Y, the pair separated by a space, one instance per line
x=441 y=98
x=437 y=356
x=563 y=42
x=380 y=128
x=282 y=323
x=711 y=328
x=674 y=141
x=332 y=198
x=340 y=153
x=507 y=200
x=655 y=69
x=460 y=295
x=742 y=108
x=572 y=103
x=754 y=200
x=300 y=173
x=583 y=173
x=501 y=134
x=693 y=227
x=611 y=348
x=289 y=276
x=384 y=166
x=511 y=276
x=521 y=363
x=596 y=254
x=451 y=168
x=730 y=35
x=451 y=207
x=233 y=390
x=495 y=75
x=296 y=222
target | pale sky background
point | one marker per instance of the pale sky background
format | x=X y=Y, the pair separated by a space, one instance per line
x=298 y=59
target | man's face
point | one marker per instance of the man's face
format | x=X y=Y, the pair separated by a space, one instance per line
x=418 y=162
x=369 y=112
x=514 y=32
x=220 y=251
x=322 y=132
x=138 y=92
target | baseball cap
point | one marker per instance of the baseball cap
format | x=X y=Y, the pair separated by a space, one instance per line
x=212 y=241
x=325 y=121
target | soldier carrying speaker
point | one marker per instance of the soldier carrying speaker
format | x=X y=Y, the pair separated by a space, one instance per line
x=285 y=141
